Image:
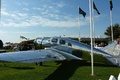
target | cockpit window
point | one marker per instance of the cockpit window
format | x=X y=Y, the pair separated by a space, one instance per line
x=38 y=40
x=62 y=42
x=54 y=40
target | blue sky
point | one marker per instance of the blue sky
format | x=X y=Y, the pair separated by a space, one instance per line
x=41 y=18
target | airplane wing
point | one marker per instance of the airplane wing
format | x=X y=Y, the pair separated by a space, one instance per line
x=36 y=56
x=31 y=56
x=65 y=51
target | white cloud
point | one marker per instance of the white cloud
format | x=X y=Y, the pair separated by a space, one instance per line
x=48 y=17
x=3 y=32
x=22 y=3
x=15 y=32
x=25 y=3
x=36 y=8
x=40 y=21
x=59 y=4
x=13 y=16
x=25 y=9
x=22 y=14
x=3 y=12
x=17 y=19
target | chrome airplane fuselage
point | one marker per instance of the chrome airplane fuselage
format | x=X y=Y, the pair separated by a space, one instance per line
x=75 y=44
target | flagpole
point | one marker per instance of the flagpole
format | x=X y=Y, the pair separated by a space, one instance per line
x=78 y=25
x=79 y=30
x=111 y=6
x=93 y=29
x=94 y=6
x=0 y=11
x=111 y=25
x=84 y=14
x=91 y=34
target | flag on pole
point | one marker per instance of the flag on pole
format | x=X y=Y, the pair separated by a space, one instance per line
x=94 y=6
x=111 y=5
x=82 y=12
x=23 y=37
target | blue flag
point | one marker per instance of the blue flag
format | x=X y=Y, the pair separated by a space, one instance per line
x=96 y=8
x=82 y=12
x=111 y=5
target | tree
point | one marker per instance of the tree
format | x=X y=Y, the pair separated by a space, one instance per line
x=1 y=44
x=116 y=31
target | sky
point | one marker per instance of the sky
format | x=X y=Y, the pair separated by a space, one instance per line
x=47 y=18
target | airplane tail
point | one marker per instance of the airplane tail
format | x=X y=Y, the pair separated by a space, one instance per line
x=114 y=50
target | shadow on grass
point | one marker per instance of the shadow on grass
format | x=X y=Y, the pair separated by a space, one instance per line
x=67 y=69
x=44 y=65
x=64 y=71
x=23 y=68
x=19 y=67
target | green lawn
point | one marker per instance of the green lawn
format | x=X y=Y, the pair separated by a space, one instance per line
x=61 y=70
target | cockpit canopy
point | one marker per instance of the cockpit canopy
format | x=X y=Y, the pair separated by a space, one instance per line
x=53 y=41
x=61 y=41
x=38 y=40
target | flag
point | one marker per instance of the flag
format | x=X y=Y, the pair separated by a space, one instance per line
x=82 y=12
x=111 y=5
x=23 y=37
x=95 y=8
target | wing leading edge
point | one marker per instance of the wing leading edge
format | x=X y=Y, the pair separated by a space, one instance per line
x=31 y=56
x=36 y=56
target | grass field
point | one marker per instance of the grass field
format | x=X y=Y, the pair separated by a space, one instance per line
x=60 y=70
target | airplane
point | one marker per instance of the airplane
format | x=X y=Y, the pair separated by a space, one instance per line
x=58 y=48
x=111 y=52
x=36 y=56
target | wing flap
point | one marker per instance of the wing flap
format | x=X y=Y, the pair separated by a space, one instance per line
x=66 y=54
